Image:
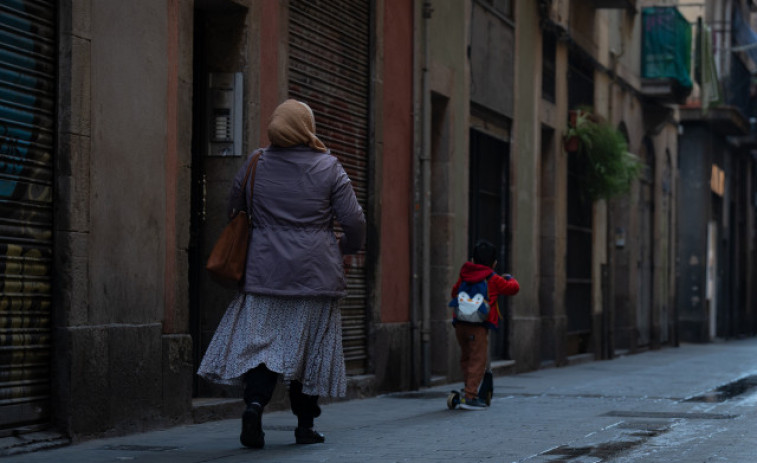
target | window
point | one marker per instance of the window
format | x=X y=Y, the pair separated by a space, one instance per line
x=548 y=71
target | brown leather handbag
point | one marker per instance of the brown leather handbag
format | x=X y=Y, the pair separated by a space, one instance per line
x=228 y=259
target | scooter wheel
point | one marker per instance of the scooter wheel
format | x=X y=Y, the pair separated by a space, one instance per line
x=453 y=400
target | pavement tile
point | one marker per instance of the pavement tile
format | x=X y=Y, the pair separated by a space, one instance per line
x=630 y=409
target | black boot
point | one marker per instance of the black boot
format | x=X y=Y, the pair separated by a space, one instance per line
x=259 y=385
x=306 y=408
x=252 y=427
x=308 y=436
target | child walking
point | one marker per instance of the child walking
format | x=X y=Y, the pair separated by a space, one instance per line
x=472 y=335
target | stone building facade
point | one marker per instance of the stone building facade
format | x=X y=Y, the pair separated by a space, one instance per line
x=123 y=123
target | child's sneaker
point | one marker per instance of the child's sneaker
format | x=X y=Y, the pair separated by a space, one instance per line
x=472 y=404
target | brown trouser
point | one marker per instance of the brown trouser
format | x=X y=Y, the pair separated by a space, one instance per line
x=473 y=340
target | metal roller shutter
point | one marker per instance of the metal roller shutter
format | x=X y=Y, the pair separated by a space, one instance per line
x=28 y=54
x=329 y=46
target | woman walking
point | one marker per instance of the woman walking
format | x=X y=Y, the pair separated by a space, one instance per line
x=284 y=323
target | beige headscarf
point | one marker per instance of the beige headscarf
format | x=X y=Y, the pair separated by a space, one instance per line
x=292 y=124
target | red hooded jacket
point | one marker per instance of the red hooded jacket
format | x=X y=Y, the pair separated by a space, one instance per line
x=498 y=286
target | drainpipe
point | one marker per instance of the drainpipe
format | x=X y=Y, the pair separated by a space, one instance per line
x=415 y=341
x=425 y=165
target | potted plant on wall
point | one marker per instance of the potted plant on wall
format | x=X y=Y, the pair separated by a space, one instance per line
x=608 y=167
x=577 y=132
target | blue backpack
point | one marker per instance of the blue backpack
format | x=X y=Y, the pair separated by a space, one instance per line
x=472 y=301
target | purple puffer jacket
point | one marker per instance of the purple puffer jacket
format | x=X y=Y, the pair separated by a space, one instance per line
x=293 y=250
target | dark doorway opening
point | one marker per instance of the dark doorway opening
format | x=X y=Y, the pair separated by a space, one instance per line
x=578 y=267
x=578 y=262
x=489 y=215
x=645 y=319
x=217 y=29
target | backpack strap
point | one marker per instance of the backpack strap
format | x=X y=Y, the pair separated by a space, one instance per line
x=487 y=289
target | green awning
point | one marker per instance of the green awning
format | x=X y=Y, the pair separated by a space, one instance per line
x=666 y=45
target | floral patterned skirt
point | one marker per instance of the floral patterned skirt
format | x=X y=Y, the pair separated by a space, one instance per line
x=298 y=337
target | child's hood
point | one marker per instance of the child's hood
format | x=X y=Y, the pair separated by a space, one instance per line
x=473 y=273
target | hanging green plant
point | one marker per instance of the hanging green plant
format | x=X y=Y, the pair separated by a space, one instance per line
x=578 y=132
x=609 y=169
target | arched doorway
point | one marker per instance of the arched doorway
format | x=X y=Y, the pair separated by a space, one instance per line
x=645 y=248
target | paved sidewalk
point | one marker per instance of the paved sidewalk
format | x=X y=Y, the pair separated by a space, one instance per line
x=631 y=409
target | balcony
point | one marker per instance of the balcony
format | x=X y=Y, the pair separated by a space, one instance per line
x=666 y=55
x=629 y=5
x=665 y=90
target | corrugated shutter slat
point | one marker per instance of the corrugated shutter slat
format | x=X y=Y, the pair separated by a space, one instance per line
x=28 y=60
x=329 y=68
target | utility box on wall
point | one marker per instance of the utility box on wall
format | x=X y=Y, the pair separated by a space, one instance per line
x=224 y=117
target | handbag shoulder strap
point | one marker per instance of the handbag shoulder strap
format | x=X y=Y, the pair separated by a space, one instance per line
x=246 y=176
x=251 y=174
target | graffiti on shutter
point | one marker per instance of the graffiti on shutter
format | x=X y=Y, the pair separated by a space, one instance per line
x=28 y=53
